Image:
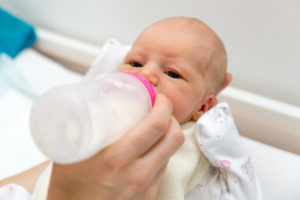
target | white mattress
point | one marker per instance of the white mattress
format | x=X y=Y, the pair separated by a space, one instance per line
x=278 y=170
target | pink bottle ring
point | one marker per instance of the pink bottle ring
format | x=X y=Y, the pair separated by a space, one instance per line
x=147 y=84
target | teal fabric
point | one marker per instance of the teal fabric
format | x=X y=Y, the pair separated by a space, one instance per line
x=15 y=34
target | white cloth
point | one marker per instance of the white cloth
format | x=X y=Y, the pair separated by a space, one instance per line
x=109 y=60
x=41 y=188
x=231 y=175
x=13 y=192
x=185 y=169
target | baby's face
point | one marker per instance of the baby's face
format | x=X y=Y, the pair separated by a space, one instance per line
x=170 y=61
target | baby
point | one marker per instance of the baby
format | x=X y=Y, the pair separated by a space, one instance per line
x=186 y=61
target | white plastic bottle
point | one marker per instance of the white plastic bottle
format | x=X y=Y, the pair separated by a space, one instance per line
x=73 y=122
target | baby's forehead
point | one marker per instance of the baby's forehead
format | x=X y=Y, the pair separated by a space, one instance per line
x=184 y=25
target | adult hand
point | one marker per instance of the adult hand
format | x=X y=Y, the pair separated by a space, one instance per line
x=129 y=169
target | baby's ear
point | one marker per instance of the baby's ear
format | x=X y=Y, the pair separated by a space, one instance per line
x=227 y=80
x=209 y=101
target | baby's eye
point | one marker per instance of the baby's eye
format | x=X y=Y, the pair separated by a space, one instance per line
x=173 y=74
x=136 y=64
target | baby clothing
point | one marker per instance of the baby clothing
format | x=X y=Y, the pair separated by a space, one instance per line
x=13 y=192
x=231 y=175
x=185 y=169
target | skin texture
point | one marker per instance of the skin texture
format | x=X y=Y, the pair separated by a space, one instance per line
x=186 y=62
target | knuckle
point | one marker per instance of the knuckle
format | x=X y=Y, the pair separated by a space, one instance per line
x=159 y=125
x=139 y=140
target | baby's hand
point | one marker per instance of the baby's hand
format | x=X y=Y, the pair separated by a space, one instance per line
x=231 y=174
x=218 y=137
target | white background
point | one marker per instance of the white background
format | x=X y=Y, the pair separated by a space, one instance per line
x=262 y=37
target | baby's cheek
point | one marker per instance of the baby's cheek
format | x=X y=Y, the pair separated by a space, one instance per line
x=128 y=68
x=123 y=68
x=181 y=113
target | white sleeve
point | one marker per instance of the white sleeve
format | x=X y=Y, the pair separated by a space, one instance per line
x=13 y=192
x=231 y=175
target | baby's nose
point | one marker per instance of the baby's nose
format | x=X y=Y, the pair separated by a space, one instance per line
x=151 y=75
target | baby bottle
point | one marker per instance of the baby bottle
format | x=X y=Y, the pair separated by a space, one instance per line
x=72 y=123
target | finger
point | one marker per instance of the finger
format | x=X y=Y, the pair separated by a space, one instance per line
x=166 y=147
x=148 y=132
